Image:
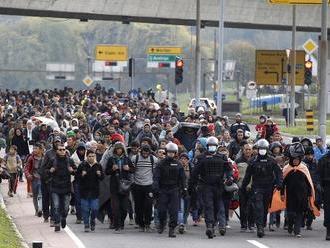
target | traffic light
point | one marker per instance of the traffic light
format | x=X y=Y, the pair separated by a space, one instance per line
x=178 y=70
x=308 y=72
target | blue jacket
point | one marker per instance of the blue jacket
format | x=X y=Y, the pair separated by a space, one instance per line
x=319 y=153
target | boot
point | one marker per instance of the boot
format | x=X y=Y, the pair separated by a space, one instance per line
x=328 y=234
x=260 y=231
x=171 y=233
x=210 y=232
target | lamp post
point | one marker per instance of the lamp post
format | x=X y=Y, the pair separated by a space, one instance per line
x=288 y=51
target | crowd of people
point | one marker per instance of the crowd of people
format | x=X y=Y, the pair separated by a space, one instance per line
x=98 y=153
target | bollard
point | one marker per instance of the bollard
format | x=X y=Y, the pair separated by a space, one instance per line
x=36 y=244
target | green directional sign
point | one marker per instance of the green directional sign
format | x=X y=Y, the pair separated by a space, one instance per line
x=161 y=58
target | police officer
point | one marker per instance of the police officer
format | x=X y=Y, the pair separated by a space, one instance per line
x=211 y=171
x=265 y=174
x=324 y=170
x=169 y=181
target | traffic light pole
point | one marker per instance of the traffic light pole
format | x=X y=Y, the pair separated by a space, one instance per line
x=323 y=101
x=220 y=56
x=293 y=68
x=198 y=52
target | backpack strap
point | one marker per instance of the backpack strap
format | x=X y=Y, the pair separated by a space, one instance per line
x=152 y=162
x=136 y=159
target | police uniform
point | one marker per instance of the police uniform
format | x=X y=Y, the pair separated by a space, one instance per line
x=264 y=173
x=209 y=172
x=169 y=182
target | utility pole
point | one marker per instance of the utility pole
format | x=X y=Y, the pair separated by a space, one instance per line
x=323 y=101
x=293 y=68
x=220 y=56
x=198 y=69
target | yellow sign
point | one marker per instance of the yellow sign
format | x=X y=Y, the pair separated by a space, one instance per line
x=296 y=1
x=88 y=81
x=310 y=46
x=271 y=67
x=164 y=50
x=111 y=53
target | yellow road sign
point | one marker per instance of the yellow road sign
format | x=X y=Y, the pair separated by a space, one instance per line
x=309 y=120
x=271 y=67
x=296 y=1
x=164 y=50
x=111 y=53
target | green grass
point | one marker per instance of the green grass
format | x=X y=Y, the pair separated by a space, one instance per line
x=8 y=237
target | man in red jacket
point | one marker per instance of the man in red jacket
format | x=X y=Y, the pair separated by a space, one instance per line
x=32 y=174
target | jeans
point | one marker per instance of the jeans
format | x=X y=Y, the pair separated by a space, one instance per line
x=183 y=211
x=61 y=206
x=77 y=200
x=89 y=208
x=47 y=202
x=13 y=182
x=37 y=196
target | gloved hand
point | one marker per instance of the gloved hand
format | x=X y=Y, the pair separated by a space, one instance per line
x=184 y=193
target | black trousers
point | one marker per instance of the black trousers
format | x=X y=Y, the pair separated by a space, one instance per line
x=295 y=220
x=168 y=201
x=246 y=209
x=119 y=205
x=47 y=202
x=143 y=204
x=326 y=206
x=261 y=198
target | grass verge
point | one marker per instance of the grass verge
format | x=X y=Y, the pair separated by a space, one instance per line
x=8 y=237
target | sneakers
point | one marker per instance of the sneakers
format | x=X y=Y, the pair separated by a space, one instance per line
x=92 y=228
x=117 y=231
x=298 y=235
x=86 y=228
x=243 y=229
x=51 y=223
x=39 y=214
x=78 y=221
x=10 y=194
x=57 y=228
x=271 y=229
x=251 y=229
x=148 y=229
x=171 y=233
x=131 y=222
x=46 y=220
x=63 y=223
x=181 y=229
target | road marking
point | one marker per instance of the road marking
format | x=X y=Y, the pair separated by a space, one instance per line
x=257 y=244
x=74 y=238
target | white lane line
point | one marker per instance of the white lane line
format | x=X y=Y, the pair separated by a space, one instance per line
x=74 y=238
x=257 y=244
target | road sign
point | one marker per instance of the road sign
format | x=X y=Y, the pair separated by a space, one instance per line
x=111 y=53
x=310 y=120
x=251 y=85
x=296 y=1
x=164 y=50
x=88 y=81
x=153 y=64
x=271 y=67
x=251 y=93
x=161 y=58
x=310 y=46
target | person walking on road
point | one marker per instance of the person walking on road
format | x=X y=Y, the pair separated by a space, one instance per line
x=169 y=182
x=89 y=174
x=265 y=175
x=212 y=171
x=60 y=170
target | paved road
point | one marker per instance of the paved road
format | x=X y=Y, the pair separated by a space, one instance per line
x=195 y=238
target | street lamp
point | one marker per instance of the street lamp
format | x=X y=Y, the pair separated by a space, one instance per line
x=287 y=51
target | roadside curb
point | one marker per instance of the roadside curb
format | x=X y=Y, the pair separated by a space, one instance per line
x=3 y=206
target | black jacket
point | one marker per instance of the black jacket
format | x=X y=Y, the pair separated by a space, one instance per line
x=324 y=170
x=118 y=174
x=264 y=172
x=60 y=179
x=89 y=184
